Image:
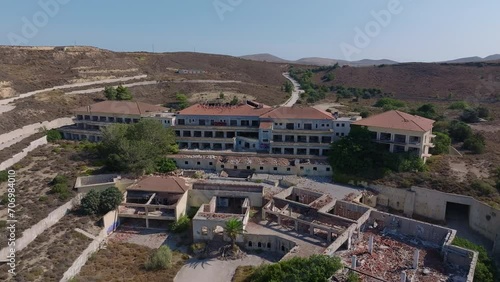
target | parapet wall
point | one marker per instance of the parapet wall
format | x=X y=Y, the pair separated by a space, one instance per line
x=19 y=156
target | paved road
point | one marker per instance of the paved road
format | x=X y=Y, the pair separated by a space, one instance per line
x=295 y=93
x=213 y=269
x=82 y=84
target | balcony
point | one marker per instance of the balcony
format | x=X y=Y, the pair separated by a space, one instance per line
x=218 y=127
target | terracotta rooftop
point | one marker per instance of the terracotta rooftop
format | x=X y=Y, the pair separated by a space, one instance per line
x=223 y=110
x=297 y=113
x=160 y=184
x=266 y=125
x=121 y=107
x=397 y=120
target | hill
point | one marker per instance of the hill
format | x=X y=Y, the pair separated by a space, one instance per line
x=317 y=61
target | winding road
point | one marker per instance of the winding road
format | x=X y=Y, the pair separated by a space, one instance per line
x=295 y=93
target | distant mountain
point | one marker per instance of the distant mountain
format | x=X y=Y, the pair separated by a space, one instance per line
x=265 y=57
x=317 y=61
x=475 y=59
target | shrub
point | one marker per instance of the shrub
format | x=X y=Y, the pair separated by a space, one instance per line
x=159 y=259
x=90 y=203
x=180 y=225
x=4 y=176
x=59 y=179
x=314 y=268
x=469 y=116
x=485 y=268
x=476 y=143
x=60 y=186
x=389 y=104
x=459 y=131
x=364 y=114
x=353 y=277
x=442 y=143
x=109 y=199
x=43 y=198
x=458 y=105
x=484 y=188
x=166 y=165
x=483 y=112
x=53 y=135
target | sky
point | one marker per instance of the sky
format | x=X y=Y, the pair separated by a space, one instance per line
x=401 y=30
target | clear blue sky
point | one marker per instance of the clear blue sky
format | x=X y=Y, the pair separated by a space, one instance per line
x=424 y=30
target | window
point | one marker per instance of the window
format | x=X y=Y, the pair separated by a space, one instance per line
x=281 y=123
x=275 y=168
x=343 y=125
x=261 y=168
x=287 y=169
x=322 y=125
x=337 y=124
x=210 y=163
x=198 y=163
x=248 y=167
x=342 y=134
x=259 y=245
x=315 y=168
x=221 y=166
x=235 y=167
x=327 y=169
x=186 y=162
x=337 y=134
x=301 y=168
x=268 y=245
x=250 y=243
x=298 y=125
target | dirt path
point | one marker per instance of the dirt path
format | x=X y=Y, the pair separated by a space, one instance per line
x=295 y=93
x=66 y=86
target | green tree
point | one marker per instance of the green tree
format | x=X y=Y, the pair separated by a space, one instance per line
x=476 y=143
x=233 y=228
x=136 y=148
x=427 y=111
x=221 y=95
x=159 y=259
x=182 y=101
x=459 y=131
x=109 y=199
x=234 y=101
x=485 y=267
x=123 y=93
x=166 y=165
x=483 y=112
x=60 y=186
x=459 y=105
x=288 y=87
x=53 y=135
x=389 y=104
x=442 y=143
x=110 y=93
x=181 y=225
x=90 y=203
x=469 y=116
x=316 y=268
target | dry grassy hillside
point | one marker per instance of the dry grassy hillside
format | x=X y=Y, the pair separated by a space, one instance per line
x=419 y=81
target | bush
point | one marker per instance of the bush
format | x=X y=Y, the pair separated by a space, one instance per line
x=389 y=104
x=166 y=165
x=159 y=259
x=180 y=225
x=459 y=105
x=476 y=143
x=314 y=268
x=109 y=199
x=353 y=277
x=4 y=176
x=60 y=186
x=485 y=268
x=90 y=203
x=442 y=143
x=484 y=188
x=364 y=114
x=459 y=131
x=53 y=135
x=483 y=112
x=469 y=116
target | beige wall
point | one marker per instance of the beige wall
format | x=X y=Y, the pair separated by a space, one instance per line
x=180 y=208
x=197 y=198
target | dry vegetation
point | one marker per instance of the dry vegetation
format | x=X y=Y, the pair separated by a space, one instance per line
x=34 y=173
x=53 y=251
x=125 y=262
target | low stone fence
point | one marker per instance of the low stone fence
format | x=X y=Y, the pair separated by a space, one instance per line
x=110 y=224
x=30 y=234
x=19 y=156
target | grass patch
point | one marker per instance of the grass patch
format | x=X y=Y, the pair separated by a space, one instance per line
x=243 y=273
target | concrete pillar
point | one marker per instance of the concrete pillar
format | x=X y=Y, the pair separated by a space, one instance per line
x=147 y=222
x=279 y=220
x=370 y=244
x=296 y=226
x=329 y=239
x=416 y=256
x=353 y=262
x=311 y=230
x=403 y=276
x=263 y=214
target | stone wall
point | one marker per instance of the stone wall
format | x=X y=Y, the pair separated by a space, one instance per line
x=19 y=156
x=30 y=234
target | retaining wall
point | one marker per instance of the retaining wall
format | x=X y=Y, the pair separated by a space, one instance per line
x=15 y=136
x=110 y=224
x=19 y=156
x=30 y=234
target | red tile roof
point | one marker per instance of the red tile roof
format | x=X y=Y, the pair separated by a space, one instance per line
x=237 y=110
x=266 y=125
x=174 y=185
x=297 y=113
x=121 y=107
x=397 y=120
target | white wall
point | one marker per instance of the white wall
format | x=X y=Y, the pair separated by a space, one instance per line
x=19 y=156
